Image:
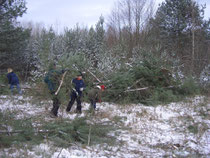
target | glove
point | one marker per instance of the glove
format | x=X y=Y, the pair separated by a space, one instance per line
x=81 y=89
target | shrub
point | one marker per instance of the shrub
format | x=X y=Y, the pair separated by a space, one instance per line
x=4 y=85
x=147 y=73
x=189 y=87
x=161 y=95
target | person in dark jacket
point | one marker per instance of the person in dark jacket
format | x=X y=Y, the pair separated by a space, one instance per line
x=76 y=93
x=13 y=80
x=52 y=79
x=94 y=95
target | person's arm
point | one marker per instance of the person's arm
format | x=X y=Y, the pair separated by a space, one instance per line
x=73 y=83
x=74 y=86
x=82 y=87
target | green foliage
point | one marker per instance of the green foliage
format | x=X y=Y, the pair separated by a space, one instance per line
x=153 y=74
x=147 y=73
x=161 y=95
x=189 y=87
x=4 y=88
x=174 y=28
x=74 y=63
x=12 y=37
x=65 y=133
x=62 y=132
x=21 y=131
x=175 y=18
x=193 y=128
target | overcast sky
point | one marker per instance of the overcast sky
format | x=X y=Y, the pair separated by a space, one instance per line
x=68 y=13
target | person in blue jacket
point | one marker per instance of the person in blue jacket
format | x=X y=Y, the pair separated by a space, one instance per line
x=76 y=93
x=13 y=81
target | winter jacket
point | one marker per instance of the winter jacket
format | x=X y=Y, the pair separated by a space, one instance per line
x=52 y=79
x=12 y=78
x=95 y=94
x=78 y=85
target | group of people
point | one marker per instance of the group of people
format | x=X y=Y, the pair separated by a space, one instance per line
x=53 y=80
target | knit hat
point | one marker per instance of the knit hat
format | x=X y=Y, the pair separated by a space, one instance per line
x=103 y=87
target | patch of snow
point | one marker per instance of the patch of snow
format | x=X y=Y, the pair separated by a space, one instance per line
x=144 y=131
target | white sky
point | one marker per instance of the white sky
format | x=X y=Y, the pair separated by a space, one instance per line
x=68 y=13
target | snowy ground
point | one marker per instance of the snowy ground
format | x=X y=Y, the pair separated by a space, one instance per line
x=161 y=131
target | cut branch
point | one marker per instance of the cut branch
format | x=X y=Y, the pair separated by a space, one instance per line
x=138 y=89
x=60 y=83
x=89 y=136
x=137 y=82
x=22 y=131
x=94 y=75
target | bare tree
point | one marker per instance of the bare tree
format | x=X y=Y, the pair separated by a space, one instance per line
x=128 y=19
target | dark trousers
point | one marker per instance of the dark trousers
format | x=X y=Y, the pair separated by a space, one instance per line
x=93 y=104
x=18 y=88
x=74 y=97
x=56 y=104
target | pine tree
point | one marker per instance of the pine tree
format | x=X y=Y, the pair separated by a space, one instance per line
x=177 y=22
x=12 y=37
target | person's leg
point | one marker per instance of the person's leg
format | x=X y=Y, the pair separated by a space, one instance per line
x=71 y=102
x=11 y=88
x=93 y=104
x=19 y=90
x=56 y=104
x=79 y=107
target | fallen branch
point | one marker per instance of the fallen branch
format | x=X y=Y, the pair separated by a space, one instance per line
x=89 y=136
x=138 y=89
x=22 y=131
x=60 y=153
x=141 y=89
x=136 y=82
x=1 y=85
x=93 y=75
